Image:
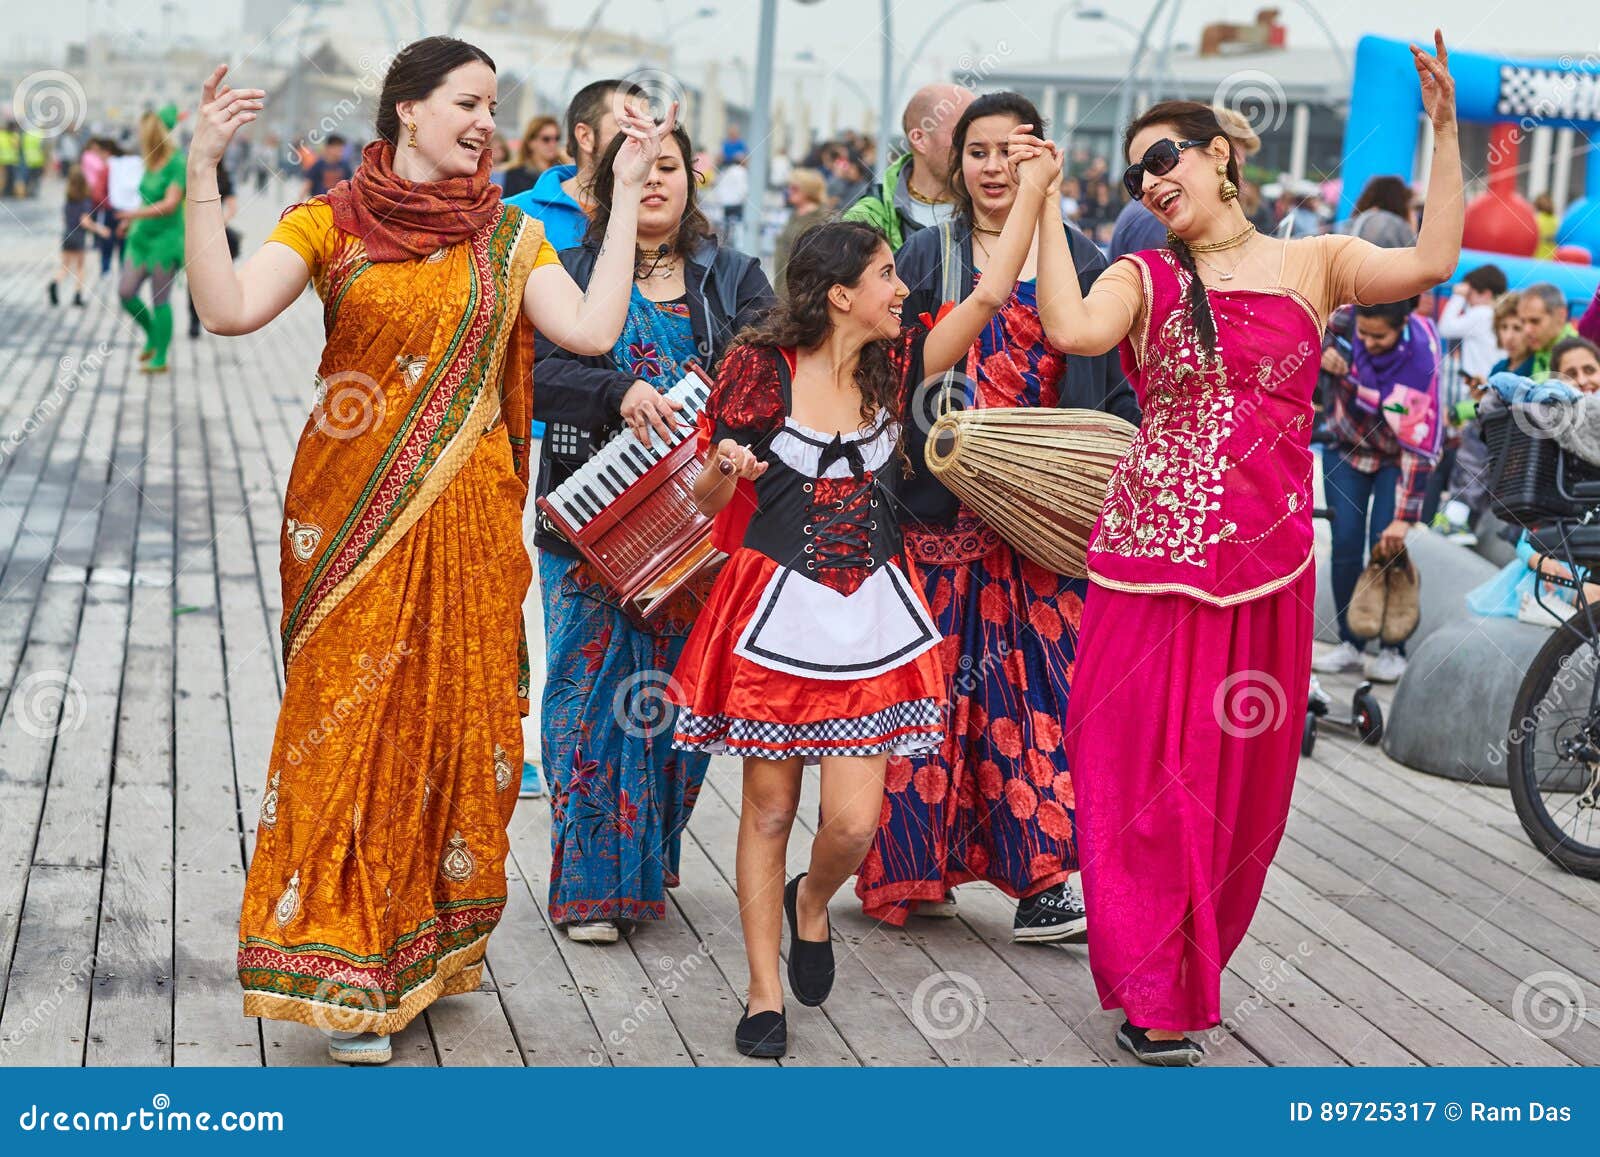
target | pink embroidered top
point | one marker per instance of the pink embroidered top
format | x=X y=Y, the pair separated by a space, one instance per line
x=1213 y=499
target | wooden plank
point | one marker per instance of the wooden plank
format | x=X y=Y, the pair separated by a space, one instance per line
x=471 y=1029
x=1513 y=895
x=208 y=1027
x=1500 y=1038
x=608 y=977
x=546 y=1012
x=131 y=1017
x=971 y=961
x=47 y=990
x=1386 y=853
x=1481 y=816
x=1255 y=1018
x=1428 y=924
x=707 y=913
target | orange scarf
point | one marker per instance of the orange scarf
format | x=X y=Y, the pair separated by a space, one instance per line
x=400 y=220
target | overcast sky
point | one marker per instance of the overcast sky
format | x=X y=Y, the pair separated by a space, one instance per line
x=843 y=31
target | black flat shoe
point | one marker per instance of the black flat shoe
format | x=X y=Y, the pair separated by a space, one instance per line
x=1174 y=1053
x=766 y=1034
x=810 y=961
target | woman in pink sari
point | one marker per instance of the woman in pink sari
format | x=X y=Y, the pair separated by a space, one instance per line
x=1183 y=729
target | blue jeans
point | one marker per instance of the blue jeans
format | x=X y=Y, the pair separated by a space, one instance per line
x=1360 y=506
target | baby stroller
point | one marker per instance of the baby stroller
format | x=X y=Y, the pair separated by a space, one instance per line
x=1365 y=720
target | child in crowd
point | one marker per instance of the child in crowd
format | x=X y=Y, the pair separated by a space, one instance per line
x=77 y=222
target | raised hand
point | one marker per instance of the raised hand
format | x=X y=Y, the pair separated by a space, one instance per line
x=639 y=152
x=1438 y=87
x=223 y=112
x=1035 y=163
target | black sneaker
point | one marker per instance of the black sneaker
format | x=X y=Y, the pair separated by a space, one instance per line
x=55 y=298
x=1054 y=916
x=1170 y=1053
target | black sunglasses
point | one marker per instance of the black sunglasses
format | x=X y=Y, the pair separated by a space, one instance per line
x=1160 y=159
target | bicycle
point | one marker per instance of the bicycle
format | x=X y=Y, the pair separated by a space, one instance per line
x=1553 y=742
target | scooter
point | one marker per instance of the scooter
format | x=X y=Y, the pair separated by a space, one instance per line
x=1365 y=720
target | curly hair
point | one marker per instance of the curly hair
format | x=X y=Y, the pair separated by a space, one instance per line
x=825 y=255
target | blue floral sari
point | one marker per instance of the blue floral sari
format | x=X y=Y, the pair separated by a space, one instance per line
x=620 y=794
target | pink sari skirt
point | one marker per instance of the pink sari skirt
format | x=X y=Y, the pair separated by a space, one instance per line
x=1183 y=735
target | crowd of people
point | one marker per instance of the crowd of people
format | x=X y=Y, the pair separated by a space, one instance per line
x=975 y=716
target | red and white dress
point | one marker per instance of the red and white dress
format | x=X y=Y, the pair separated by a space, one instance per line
x=815 y=640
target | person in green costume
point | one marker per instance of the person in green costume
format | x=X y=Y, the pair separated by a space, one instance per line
x=155 y=237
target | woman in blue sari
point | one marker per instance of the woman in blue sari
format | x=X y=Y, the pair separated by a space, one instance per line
x=620 y=794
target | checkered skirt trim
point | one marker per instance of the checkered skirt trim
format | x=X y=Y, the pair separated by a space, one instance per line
x=904 y=729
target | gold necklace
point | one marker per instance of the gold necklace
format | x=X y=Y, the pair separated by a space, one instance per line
x=1221 y=275
x=661 y=262
x=1238 y=238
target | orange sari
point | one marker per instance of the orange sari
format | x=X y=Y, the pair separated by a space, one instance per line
x=379 y=868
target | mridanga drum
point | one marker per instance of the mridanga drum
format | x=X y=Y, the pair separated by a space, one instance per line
x=1038 y=476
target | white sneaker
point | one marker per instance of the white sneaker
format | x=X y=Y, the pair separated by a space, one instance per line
x=1386 y=666
x=1342 y=658
x=595 y=932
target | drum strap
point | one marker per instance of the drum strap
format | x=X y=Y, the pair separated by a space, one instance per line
x=950 y=270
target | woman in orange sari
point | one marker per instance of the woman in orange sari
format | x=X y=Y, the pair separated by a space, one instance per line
x=379 y=868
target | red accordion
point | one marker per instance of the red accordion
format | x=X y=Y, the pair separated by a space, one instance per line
x=630 y=511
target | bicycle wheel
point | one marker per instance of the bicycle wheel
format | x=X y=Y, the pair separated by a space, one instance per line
x=1553 y=757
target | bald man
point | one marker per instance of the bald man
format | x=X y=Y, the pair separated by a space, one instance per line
x=914 y=192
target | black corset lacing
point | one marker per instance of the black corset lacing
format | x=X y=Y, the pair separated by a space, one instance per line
x=840 y=528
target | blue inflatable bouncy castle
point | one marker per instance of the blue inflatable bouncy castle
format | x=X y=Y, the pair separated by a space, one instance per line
x=1515 y=96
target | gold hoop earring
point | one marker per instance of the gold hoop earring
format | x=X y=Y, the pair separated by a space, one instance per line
x=412 y=127
x=1227 y=188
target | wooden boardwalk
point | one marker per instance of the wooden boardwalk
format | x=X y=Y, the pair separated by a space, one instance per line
x=1407 y=920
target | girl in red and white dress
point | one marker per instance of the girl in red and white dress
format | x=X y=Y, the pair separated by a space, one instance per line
x=816 y=646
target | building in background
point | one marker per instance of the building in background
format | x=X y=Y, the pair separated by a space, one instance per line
x=1295 y=98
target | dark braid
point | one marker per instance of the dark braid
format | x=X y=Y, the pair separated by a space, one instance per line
x=1197 y=122
x=1199 y=304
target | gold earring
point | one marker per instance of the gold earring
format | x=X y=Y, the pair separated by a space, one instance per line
x=413 y=129
x=1228 y=189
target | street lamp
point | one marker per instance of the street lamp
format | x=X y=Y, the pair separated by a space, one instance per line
x=1104 y=17
x=894 y=96
x=670 y=34
x=760 y=160
x=807 y=56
